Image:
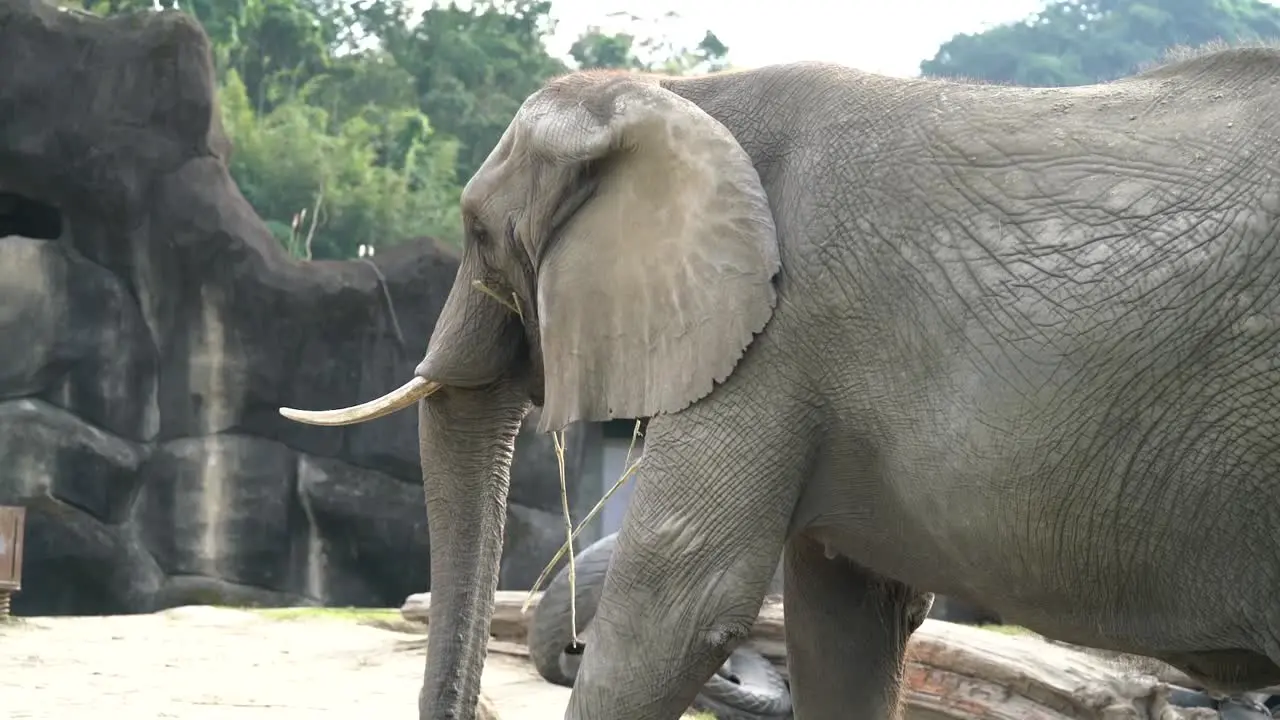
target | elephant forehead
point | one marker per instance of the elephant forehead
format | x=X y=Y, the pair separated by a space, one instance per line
x=593 y=98
x=488 y=179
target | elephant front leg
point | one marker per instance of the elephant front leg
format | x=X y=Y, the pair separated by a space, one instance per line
x=847 y=631
x=695 y=555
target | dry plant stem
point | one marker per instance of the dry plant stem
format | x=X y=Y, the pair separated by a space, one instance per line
x=567 y=547
x=315 y=216
x=515 y=301
x=386 y=295
x=546 y=571
x=635 y=433
x=558 y=439
x=512 y=306
x=570 y=532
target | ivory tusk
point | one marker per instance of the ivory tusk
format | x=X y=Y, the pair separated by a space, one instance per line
x=394 y=401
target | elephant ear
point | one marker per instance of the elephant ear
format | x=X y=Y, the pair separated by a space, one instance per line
x=650 y=292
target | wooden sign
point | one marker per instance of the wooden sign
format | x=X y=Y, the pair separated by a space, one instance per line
x=12 y=522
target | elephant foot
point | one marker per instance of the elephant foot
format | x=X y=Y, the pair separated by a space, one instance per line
x=1249 y=706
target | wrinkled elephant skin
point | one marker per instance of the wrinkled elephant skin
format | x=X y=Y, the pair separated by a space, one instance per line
x=1017 y=346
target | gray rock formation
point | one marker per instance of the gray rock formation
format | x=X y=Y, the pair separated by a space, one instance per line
x=149 y=329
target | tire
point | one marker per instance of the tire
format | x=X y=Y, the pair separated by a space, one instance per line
x=549 y=633
x=751 y=689
x=747 y=687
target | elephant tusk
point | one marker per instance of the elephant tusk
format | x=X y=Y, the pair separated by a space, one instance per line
x=394 y=401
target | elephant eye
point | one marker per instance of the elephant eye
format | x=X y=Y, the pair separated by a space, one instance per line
x=478 y=232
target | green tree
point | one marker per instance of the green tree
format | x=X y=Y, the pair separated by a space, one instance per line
x=473 y=66
x=359 y=82
x=652 y=53
x=330 y=146
x=280 y=46
x=289 y=160
x=368 y=115
x=709 y=55
x=1077 y=42
x=597 y=49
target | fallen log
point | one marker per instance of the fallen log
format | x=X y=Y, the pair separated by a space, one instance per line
x=953 y=672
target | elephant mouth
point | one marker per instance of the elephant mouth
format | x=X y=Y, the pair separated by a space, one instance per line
x=402 y=397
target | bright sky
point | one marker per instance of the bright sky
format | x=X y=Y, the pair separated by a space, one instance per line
x=884 y=36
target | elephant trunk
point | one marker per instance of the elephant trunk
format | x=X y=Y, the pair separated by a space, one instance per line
x=467 y=442
x=472 y=397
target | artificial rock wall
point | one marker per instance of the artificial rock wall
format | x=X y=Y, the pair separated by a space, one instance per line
x=150 y=327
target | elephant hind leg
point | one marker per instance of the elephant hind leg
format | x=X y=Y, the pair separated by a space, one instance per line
x=847 y=631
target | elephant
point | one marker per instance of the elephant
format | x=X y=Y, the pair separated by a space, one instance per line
x=1017 y=346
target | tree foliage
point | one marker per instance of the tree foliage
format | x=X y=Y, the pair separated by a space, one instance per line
x=626 y=51
x=1077 y=42
x=473 y=67
x=376 y=178
x=356 y=122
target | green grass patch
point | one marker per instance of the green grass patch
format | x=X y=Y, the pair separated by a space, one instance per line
x=1007 y=629
x=328 y=613
x=382 y=618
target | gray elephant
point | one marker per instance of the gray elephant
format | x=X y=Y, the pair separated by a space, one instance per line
x=1016 y=346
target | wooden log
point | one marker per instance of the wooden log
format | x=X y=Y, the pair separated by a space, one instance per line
x=953 y=672
x=511 y=625
x=508 y=623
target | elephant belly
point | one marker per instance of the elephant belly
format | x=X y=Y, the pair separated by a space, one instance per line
x=1102 y=485
x=1066 y=554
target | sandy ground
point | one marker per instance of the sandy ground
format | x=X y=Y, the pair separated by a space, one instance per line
x=201 y=663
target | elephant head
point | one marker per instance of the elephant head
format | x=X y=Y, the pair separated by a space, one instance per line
x=620 y=256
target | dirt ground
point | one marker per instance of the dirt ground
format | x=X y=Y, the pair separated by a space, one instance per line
x=201 y=663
